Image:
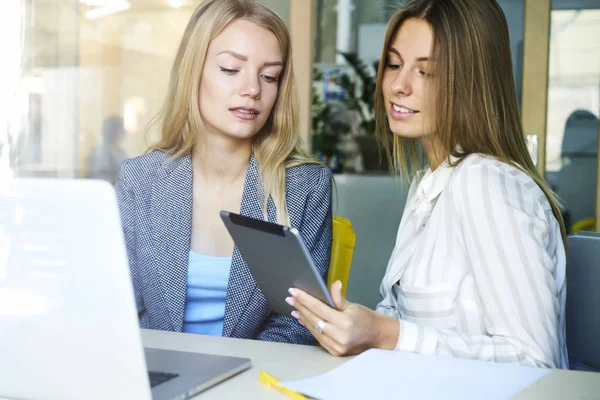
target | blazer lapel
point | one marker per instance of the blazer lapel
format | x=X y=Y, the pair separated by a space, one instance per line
x=171 y=228
x=242 y=285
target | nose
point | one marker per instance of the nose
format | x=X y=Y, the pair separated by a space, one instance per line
x=251 y=86
x=402 y=84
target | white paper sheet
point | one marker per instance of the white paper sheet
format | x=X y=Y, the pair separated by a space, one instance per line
x=380 y=374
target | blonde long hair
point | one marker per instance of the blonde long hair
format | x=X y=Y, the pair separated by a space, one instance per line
x=476 y=109
x=277 y=146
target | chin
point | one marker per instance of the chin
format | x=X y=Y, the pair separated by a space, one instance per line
x=240 y=135
x=244 y=130
x=405 y=131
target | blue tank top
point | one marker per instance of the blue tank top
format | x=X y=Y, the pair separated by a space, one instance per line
x=205 y=294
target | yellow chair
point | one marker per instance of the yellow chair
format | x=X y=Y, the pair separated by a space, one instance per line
x=342 y=249
x=586 y=224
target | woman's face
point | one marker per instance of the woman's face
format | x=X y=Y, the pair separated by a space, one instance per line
x=407 y=69
x=240 y=80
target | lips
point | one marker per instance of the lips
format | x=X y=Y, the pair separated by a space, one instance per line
x=402 y=109
x=401 y=113
x=245 y=113
x=245 y=110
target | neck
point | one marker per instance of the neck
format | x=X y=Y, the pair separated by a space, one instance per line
x=434 y=151
x=220 y=160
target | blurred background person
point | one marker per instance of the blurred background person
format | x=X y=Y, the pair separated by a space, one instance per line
x=104 y=160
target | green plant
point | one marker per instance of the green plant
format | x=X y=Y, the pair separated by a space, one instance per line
x=320 y=111
x=324 y=137
x=359 y=97
x=360 y=90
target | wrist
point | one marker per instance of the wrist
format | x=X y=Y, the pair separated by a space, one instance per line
x=386 y=333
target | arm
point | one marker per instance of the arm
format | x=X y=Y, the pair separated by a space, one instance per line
x=506 y=237
x=316 y=230
x=127 y=212
x=386 y=306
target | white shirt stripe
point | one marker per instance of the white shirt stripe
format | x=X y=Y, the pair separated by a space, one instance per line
x=478 y=270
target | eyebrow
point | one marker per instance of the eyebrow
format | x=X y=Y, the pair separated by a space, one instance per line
x=245 y=58
x=393 y=50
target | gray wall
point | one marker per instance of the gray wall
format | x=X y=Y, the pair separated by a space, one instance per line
x=374 y=205
x=514 y=10
x=280 y=7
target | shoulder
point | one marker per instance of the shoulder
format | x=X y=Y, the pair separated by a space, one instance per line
x=139 y=171
x=308 y=191
x=308 y=177
x=484 y=178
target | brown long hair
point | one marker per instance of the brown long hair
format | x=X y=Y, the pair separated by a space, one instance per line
x=277 y=146
x=476 y=109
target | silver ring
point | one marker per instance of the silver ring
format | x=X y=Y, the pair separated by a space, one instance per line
x=320 y=326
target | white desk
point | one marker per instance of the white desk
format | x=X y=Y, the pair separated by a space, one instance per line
x=291 y=362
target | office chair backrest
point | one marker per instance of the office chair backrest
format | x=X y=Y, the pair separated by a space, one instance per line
x=576 y=185
x=583 y=299
x=342 y=249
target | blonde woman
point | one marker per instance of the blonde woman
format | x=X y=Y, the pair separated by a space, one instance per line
x=229 y=142
x=478 y=270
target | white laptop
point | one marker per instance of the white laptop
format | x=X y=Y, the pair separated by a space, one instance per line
x=68 y=323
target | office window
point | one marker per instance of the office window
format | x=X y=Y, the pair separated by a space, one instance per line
x=574 y=107
x=343 y=126
x=86 y=78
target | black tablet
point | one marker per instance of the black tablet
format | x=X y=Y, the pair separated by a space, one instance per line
x=278 y=260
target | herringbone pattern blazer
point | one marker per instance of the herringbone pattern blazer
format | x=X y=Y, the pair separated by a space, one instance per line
x=155 y=201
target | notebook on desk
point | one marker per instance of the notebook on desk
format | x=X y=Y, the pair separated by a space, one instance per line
x=383 y=374
x=68 y=322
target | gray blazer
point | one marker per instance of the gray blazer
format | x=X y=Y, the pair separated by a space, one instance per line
x=155 y=201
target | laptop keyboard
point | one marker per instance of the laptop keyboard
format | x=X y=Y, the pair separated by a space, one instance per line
x=156 y=378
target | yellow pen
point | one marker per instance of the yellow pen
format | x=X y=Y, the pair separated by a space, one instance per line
x=270 y=381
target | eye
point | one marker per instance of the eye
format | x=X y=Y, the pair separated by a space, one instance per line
x=425 y=74
x=270 y=79
x=228 y=71
x=393 y=66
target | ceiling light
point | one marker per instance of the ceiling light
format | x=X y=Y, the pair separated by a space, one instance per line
x=97 y=3
x=175 y=3
x=108 y=9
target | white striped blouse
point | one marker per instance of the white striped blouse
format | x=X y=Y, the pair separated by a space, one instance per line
x=478 y=270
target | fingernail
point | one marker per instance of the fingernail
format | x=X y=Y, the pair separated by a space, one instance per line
x=295 y=314
x=292 y=291
x=289 y=300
